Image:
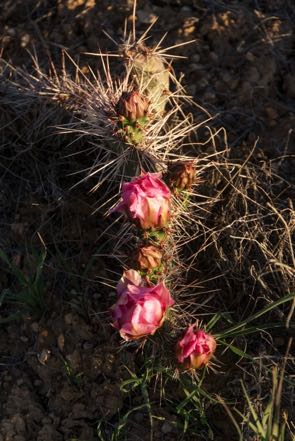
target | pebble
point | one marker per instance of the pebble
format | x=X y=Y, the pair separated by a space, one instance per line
x=25 y=40
x=202 y=83
x=271 y=113
x=167 y=427
x=191 y=89
x=250 y=56
x=87 y=345
x=61 y=342
x=213 y=56
x=24 y=339
x=253 y=75
x=209 y=96
x=186 y=9
x=196 y=66
x=44 y=356
x=196 y=58
x=19 y=423
x=68 y=318
x=74 y=359
x=289 y=85
x=226 y=77
x=35 y=327
x=138 y=417
x=146 y=17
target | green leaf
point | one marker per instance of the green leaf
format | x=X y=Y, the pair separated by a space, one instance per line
x=242 y=324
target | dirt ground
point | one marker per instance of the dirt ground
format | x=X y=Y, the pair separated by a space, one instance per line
x=61 y=375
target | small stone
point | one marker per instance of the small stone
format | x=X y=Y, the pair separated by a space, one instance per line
x=19 y=424
x=186 y=9
x=196 y=58
x=289 y=85
x=188 y=30
x=250 y=56
x=279 y=341
x=196 y=66
x=138 y=417
x=61 y=342
x=271 y=113
x=209 y=96
x=68 y=318
x=18 y=228
x=202 y=83
x=226 y=77
x=74 y=359
x=167 y=428
x=146 y=16
x=253 y=75
x=44 y=356
x=25 y=40
x=24 y=339
x=35 y=327
x=213 y=56
x=191 y=89
x=87 y=345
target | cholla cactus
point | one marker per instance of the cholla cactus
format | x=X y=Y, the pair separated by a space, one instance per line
x=149 y=72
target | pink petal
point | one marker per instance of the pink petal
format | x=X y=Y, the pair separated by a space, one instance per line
x=151 y=312
x=130 y=277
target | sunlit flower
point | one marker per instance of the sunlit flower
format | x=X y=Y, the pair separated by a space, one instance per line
x=196 y=348
x=140 y=310
x=146 y=200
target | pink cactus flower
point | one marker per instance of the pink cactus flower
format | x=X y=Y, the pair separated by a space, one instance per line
x=196 y=348
x=146 y=200
x=130 y=277
x=139 y=310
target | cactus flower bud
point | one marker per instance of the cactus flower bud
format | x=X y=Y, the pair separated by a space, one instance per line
x=139 y=310
x=181 y=174
x=132 y=105
x=149 y=258
x=196 y=348
x=146 y=200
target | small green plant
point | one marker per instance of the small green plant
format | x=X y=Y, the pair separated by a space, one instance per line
x=271 y=423
x=28 y=292
x=74 y=379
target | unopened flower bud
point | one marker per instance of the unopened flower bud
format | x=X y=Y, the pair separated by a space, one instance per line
x=146 y=200
x=149 y=258
x=181 y=174
x=132 y=105
x=196 y=348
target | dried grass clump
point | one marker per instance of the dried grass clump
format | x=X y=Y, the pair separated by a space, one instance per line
x=246 y=242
